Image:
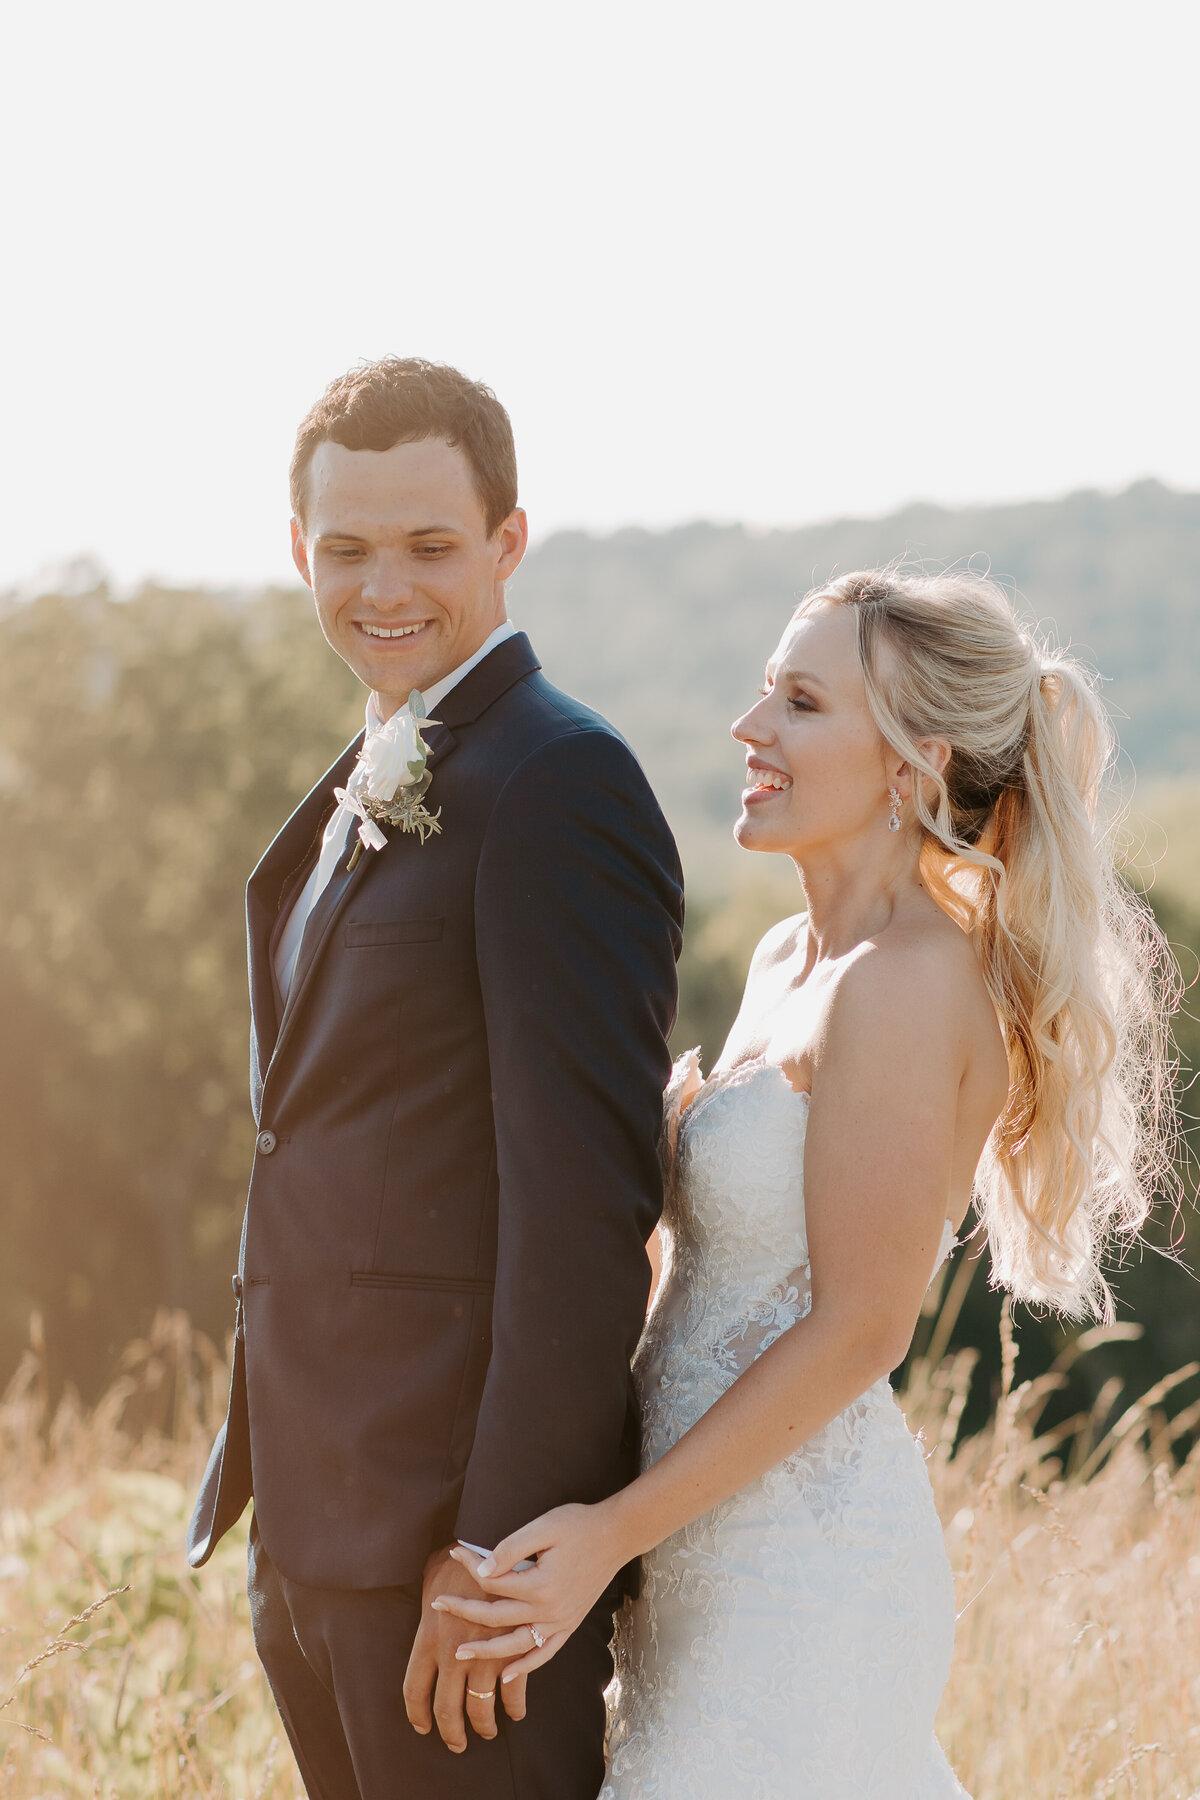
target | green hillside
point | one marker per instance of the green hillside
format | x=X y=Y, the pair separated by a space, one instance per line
x=668 y=632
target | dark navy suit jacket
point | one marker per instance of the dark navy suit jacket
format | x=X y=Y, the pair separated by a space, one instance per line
x=443 y=1274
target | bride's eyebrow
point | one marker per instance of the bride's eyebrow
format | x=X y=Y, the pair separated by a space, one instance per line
x=803 y=675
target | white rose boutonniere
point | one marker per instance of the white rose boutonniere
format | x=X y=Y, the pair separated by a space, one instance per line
x=391 y=779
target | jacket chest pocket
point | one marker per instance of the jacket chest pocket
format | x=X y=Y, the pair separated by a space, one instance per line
x=380 y=934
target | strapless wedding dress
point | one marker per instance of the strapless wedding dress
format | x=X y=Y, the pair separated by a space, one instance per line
x=795 y=1641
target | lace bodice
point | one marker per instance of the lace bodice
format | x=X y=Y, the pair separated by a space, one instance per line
x=736 y=1268
x=795 y=1641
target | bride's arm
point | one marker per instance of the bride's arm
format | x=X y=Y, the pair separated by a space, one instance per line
x=877 y=1170
x=654 y=1257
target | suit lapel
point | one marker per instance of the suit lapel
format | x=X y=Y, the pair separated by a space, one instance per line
x=275 y=882
x=321 y=921
x=509 y=662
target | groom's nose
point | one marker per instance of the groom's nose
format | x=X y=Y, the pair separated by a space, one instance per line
x=387 y=580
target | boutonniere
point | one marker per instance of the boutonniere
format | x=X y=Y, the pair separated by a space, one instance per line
x=391 y=779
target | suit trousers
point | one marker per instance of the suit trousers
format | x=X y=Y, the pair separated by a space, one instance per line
x=336 y=1659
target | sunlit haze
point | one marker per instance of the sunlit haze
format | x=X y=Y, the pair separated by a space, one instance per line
x=772 y=262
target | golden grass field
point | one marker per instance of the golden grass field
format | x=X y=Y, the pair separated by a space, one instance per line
x=125 y=1676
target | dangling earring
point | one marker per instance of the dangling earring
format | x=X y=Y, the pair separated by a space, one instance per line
x=894 y=821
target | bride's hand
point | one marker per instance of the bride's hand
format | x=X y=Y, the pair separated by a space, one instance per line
x=577 y=1557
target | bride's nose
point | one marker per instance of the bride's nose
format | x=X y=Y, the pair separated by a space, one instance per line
x=752 y=728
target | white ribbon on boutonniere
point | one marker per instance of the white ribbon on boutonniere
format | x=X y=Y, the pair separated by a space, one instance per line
x=391 y=779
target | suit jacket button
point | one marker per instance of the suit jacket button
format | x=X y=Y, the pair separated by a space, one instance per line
x=267 y=1142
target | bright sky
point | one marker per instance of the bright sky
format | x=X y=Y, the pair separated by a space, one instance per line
x=771 y=261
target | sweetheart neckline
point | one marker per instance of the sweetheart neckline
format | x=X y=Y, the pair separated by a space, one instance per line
x=718 y=1077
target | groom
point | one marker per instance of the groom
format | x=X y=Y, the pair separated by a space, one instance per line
x=458 y=1052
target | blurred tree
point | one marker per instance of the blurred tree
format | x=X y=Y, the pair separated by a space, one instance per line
x=148 y=752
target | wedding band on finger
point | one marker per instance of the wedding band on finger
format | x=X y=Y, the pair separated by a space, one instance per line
x=538 y=1637
x=476 y=1695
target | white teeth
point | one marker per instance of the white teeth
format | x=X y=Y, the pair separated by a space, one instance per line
x=381 y=631
x=769 y=779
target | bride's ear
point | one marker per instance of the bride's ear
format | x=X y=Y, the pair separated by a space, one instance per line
x=934 y=751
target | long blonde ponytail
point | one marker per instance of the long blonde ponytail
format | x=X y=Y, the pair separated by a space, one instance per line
x=1018 y=848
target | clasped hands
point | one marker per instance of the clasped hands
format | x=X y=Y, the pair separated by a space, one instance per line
x=577 y=1556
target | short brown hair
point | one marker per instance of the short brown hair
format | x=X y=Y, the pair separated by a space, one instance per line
x=402 y=400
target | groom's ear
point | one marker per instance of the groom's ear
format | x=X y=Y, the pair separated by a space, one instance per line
x=512 y=534
x=300 y=554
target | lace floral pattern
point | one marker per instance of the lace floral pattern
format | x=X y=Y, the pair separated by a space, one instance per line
x=796 y=1640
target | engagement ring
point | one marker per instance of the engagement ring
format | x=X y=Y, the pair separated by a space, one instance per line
x=537 y=1637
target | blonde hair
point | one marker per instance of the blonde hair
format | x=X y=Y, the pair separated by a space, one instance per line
x=1018 y=849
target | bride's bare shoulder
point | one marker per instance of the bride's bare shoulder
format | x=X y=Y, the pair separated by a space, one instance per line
x=923 y=955
x=920 y=980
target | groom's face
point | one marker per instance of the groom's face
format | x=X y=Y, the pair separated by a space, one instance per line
x=395 y=547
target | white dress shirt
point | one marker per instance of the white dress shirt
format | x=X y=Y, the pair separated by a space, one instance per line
x=337 y=831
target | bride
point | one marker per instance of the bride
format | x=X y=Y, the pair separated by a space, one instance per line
x=966 y=1011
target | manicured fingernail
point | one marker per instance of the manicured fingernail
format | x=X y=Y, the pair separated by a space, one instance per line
x=511 y=1677
x=462 y=1655
x=438 y=1606
x=486 y=1567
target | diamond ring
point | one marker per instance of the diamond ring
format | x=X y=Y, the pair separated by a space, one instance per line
x=538 y=1637
x=476 y=1695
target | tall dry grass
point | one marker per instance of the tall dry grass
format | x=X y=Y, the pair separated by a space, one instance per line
x=124 y=1676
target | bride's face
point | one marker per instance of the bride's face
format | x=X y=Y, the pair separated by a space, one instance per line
x=816 y=774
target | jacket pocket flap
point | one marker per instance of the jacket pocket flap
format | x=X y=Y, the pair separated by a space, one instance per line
x=448 y=1284
x=393 y=931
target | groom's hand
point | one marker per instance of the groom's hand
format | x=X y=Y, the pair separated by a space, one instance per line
x=435 y=1685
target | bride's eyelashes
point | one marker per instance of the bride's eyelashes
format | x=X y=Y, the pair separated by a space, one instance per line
x=797 y=702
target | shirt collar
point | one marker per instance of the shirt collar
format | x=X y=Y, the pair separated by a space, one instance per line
x=433 y=696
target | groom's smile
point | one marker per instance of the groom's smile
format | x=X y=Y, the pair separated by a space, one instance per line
x=407 y=580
